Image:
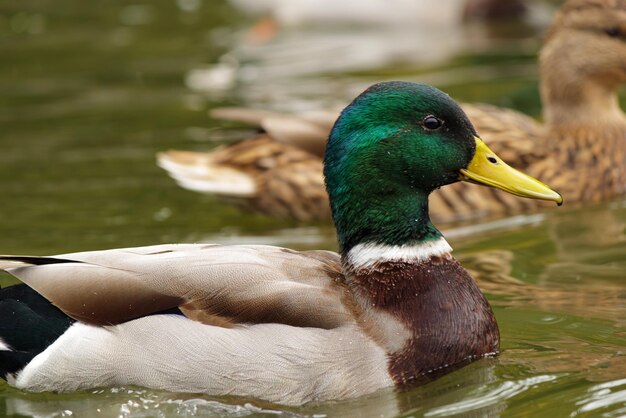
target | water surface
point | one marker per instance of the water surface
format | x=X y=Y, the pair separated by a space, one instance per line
x=89 y=92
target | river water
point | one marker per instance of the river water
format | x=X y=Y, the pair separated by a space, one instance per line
x=90 y=91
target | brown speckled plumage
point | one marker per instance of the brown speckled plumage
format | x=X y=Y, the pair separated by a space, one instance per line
x=580 y=150
x=289 y=180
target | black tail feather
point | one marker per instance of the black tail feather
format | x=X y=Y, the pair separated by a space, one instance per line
x=12 y=362
x=29 y=323
x=37 y=261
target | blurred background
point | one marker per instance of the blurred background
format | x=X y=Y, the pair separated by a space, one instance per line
x=91 y=91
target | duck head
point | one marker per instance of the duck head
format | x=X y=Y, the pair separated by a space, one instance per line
x=583 y=63
x=390 y=148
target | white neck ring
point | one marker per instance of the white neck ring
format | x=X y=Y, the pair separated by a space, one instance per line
x=368 y=255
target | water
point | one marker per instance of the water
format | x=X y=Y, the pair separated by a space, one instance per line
x=90 y=92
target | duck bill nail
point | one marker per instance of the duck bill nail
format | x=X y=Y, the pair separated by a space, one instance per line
x=488 y=169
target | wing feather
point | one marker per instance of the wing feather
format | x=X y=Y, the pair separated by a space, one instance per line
x=249 y=284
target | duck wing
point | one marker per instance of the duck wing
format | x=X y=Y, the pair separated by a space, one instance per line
x=307 y=131
x=221 y=285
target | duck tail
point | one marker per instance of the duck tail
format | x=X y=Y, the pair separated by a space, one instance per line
x=30 y=323
x=197 y=171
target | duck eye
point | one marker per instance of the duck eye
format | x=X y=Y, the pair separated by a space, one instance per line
x=432 y=123
x=613 y=32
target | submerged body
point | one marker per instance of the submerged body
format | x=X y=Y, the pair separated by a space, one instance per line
x=394 y=308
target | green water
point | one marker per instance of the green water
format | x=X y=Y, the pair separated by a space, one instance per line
x=90 y=91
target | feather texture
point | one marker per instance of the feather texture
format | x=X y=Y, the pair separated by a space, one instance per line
x=238 y=283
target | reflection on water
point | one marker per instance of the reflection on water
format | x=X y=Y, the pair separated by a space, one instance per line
x=604 y=395
x=490 y=396
x=126 y=402
x=590 y=248
x=91 y=93
x=565 y=305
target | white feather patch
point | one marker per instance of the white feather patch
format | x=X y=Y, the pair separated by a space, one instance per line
x=369 y=254
x=4 y=346
x=275 y=362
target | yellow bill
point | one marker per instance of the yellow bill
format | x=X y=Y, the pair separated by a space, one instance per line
x=488 y=169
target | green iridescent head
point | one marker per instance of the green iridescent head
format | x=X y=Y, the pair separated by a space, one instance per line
x=389 y=149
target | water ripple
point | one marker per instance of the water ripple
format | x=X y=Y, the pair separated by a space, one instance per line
x=603 y=396
x=505 y=390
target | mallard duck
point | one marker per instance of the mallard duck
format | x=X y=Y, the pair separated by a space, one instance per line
x=581 y=148
x=393 y=308
x=380 y=12
x=354 y=12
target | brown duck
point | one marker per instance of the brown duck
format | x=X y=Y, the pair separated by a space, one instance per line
x=580 y=149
